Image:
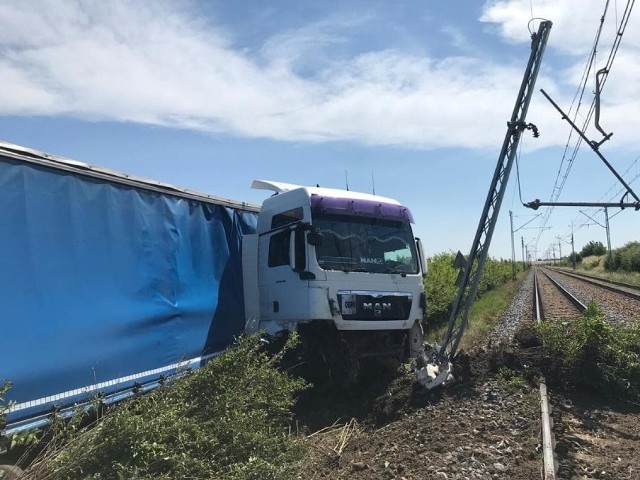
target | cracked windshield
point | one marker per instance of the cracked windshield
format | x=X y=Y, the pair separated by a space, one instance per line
x=365 y=244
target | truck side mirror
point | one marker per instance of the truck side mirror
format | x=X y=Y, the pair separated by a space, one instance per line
x=315 y=238
x=421 y=257
x=297 y=253
x=292 y=249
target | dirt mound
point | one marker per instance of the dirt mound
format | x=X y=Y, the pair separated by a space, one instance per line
x=384 y=395
x=468 y=428
x=485 y=424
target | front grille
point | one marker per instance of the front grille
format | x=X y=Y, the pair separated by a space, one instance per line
x=375 y=306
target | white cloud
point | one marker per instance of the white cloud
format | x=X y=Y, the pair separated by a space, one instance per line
x=24 y=95
x=161 y=63
x=575 y=23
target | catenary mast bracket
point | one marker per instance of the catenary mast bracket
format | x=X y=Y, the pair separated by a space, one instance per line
x=595 y=146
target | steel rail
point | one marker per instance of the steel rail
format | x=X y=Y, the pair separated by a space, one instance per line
x=548 y=460
x=597 y=282
x=537 y=303
x=581 y=306
x=606 y=280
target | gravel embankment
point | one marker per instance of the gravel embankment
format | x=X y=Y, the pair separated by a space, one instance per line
x=519 y=312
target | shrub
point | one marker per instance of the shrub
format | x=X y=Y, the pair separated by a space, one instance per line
x=626 y=258
x=612 y=262
x=228 y=419
x=591 y=262
x=573 y=257
x=593 y=353
x=3 y=407
x=495 y=273
x=441 y=287
x=4 y=387
x=593 y=248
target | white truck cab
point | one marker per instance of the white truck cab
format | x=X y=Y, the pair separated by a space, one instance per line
x=341 y=268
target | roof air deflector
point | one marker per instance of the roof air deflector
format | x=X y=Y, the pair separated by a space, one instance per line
x=278 y=187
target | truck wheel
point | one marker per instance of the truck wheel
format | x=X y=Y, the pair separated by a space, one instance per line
x=10 y=472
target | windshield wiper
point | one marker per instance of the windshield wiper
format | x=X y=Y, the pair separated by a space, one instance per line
x=354 y=269
x=395 y=270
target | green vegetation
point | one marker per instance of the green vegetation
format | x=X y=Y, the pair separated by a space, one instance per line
x=573 y=258
x=626 y=258
x=494 y=294
x=510 y=379
x=623 y=265
x=593 y=353
x=3 y=406
x=441 y=288
x=228 y=420
x=593 y=248
x=593 y=261
x=496 y=273
x=440 y=285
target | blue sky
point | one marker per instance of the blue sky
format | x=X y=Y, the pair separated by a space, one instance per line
x=209 y=95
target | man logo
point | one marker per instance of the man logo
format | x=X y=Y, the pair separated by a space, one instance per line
x=375 y=261
x=377 y=307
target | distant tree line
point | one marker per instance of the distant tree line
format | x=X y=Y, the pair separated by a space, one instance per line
x=626 y=258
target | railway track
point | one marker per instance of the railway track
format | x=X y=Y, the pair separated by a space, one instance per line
x=620 y=303
x=586 y=432
x=552 y=299
x=627 y=289
x=633 y=288
x=575 y=447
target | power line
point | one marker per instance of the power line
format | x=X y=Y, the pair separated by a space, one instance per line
x=561 y=177
x=609 y=196
x=618 y=39
x=578 y=96
x=562 y=174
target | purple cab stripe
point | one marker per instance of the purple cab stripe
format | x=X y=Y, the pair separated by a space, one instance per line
x=356 y=206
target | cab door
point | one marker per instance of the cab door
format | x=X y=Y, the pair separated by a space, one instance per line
x=284 y=292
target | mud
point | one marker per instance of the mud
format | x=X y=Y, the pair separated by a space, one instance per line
x=485 y=425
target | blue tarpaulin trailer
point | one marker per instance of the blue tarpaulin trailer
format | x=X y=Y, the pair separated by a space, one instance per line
x=108 y=283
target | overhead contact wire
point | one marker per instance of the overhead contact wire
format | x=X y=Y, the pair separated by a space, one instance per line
x=561 y=178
